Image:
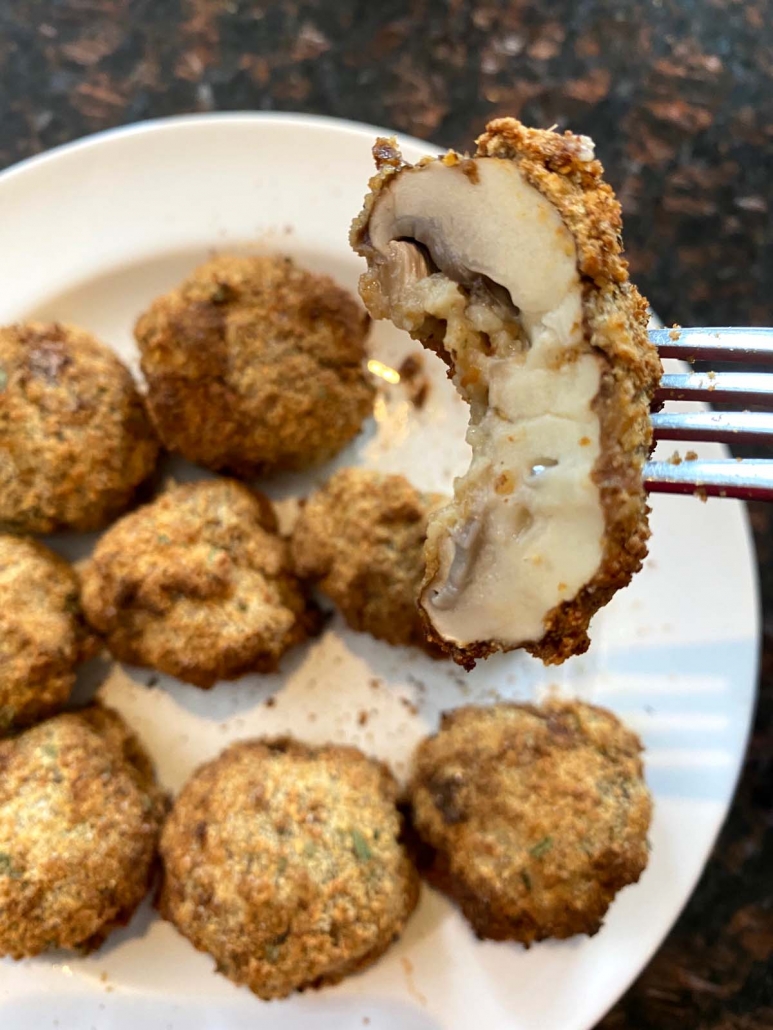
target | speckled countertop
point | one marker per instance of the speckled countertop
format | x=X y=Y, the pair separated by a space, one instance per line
x=679 y=97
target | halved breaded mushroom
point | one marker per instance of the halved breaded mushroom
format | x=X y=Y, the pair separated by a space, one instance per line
x=508 y=265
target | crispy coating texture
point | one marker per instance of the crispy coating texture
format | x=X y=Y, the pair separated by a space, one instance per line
x=75 y=439
x=616 y=319
x=283 y=862
x=361 y=538
x=43 y=634
x=80 y=817
x=197 y=585
x=535 y=817
x=254 y=364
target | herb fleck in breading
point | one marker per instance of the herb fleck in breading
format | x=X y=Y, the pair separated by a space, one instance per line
x=534 y=817
x=284 y=863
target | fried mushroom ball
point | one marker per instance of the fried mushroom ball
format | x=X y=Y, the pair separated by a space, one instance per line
x=80 y=815
x=534 y=817
x=283 y=862
x=361 y=538
x=197 y=585
x=43 y=635
x=75 y=439
x=254 y=364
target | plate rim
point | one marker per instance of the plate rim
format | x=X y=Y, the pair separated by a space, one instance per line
x=165 y=122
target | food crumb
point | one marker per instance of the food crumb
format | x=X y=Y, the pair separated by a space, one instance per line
x=270 y=702
x=416 y=682
x=362 y=718
x=407 y=703
x=675 y=459
x=412 y=988
x=103 y=976
x=374 y=684
x=691 y=456
x=415 y=380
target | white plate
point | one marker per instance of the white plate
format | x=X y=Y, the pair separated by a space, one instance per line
x=90 y=233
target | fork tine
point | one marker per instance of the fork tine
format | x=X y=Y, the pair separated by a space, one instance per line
x=748 y=480
x=739 y=387
x=714 y=426
x=754 y=346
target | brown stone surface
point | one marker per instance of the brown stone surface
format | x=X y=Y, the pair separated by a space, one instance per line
x=679 y=97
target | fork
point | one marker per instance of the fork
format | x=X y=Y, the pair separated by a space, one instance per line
x=745 y=478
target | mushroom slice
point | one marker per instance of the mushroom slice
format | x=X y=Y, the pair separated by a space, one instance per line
x=508 y=265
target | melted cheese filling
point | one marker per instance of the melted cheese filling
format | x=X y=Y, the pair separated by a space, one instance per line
x=525 y=529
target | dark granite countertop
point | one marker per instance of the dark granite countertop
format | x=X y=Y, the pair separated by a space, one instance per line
x=678 y=95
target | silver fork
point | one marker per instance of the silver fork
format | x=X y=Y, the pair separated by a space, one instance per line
x=747 y=478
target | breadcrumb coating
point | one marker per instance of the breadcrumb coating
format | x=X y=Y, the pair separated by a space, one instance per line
x=284 y=863
x=361 y=539
x=43 y=634
x=197 y=585
x=615 y=316
x=80 y=816
x=75 y=439
x=535 y=817
x=254 y=365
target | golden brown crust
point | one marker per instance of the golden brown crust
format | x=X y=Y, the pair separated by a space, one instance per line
x=615 y=326
x=534 y=817
x=80 y=816
x=283 y=862
x=75 y=439
x=197 y=585
x=615 y=316
x=254 y=364
x=43 y=634
x=361 y=539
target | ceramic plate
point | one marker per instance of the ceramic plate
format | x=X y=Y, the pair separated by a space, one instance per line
x=90 y=233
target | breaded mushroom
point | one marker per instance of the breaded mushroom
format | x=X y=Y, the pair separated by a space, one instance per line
x=198 y=585
x=80 y=816
x=254 y=364
x=75 y=439
x=361 y=539
x=43 y=635
x=509 y=265
x=535 y=817
x=284 y=863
